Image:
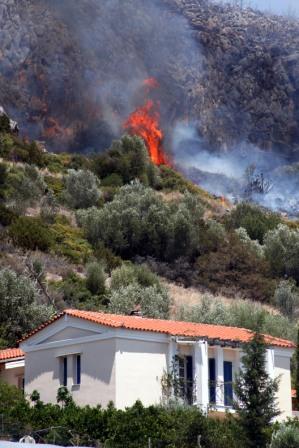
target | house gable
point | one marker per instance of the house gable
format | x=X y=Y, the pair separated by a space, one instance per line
x=67 y=334
x=66 y=331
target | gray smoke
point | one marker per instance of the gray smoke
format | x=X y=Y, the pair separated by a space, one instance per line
x=83 y=64
x=226 y=173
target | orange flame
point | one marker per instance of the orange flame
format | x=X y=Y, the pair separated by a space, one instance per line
x=145 y=122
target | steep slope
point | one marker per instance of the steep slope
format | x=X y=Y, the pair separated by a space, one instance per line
x=71 y=71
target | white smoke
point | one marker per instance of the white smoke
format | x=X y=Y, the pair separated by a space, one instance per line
x=224 y=172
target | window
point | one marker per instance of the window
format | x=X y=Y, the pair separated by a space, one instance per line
x=184 y=370
x=77 y=369
x=228 y=383
x=64 y=371
x=212 y=380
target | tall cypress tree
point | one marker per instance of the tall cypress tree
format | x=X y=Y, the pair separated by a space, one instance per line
x=297 y=367
x=255 y=392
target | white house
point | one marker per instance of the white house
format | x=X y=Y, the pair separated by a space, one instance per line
x=12 y=365
x=104 y=357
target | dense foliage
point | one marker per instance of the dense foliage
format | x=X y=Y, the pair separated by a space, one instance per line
x=21 y=307
x=286 y=437
x=169 y=427
x=139 y=222
x=256 y=221
x=84 y=217
x=81 y=189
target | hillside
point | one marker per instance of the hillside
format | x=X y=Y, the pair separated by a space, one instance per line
x=233 y=73
x=116 y=232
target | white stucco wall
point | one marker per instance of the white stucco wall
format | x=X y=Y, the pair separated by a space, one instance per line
x=11 y=376
x=139 y=369
x=42 y=372
x=282 y=371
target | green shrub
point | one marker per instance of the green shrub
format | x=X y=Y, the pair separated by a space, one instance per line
x=70 y=242
x=286 y=298
x=54 y=184
x=49 y=207
x=154 y=301
x=129 y=273
x=81 y=189
x=20 y=306
x=235 y=268
x=75 y=293
x=240 y=313
x=30 y=233
x=26 y=188
x=139 y=222
x=282 y=251
x=285 y=437
x=95 y=279
x=255 y=220
x=126 y=160
x=113 y=180
x=4 y=124
x=6 y=216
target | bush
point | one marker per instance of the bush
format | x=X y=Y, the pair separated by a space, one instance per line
x=125 y=161
x=235 y=268
x=138 y=222
x=95 y=280
x=282 y=251
x=75 y=294
x=285 y=437
x=20 y=306
x=6 y=216
x=129 y=273
x=31 y=234
x=4 y=124
x=240 y=313
x=286 y=298
x=3 y=180
x=255 y=220
x=154 y=301
x=49 y=208
x=253 y=245
x=70 y=242
x=26 y=188
x=81 y=189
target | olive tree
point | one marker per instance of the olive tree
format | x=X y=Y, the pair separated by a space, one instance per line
x=286 y=298
x=138 y=221
x=154 y=302
x=21 y=308
x=282 y=251
x=81 y=188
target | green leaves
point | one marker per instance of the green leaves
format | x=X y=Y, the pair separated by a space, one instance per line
x=256 y=394
x=20 y=306
x=139 y=222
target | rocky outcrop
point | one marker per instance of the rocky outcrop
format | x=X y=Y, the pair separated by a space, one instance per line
x=69 y=70
x=251 y=81
x=11 y=124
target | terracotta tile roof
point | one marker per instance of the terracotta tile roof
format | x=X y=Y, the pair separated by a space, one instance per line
x=294 y=393
x=11 y=353
x=173 y=328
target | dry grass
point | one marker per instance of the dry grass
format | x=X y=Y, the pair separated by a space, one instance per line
x=193 y=296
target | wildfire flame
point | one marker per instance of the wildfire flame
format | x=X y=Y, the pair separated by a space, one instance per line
x=145 y=122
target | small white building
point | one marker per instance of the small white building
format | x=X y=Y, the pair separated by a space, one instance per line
x=12 y=365
x=104 y=357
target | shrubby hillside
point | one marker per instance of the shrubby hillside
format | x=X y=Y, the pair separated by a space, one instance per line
x=113 y=232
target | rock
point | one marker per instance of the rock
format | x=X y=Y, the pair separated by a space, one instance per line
x=13 y=124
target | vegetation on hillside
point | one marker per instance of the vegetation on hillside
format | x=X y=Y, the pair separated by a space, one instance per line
x=104 y=229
